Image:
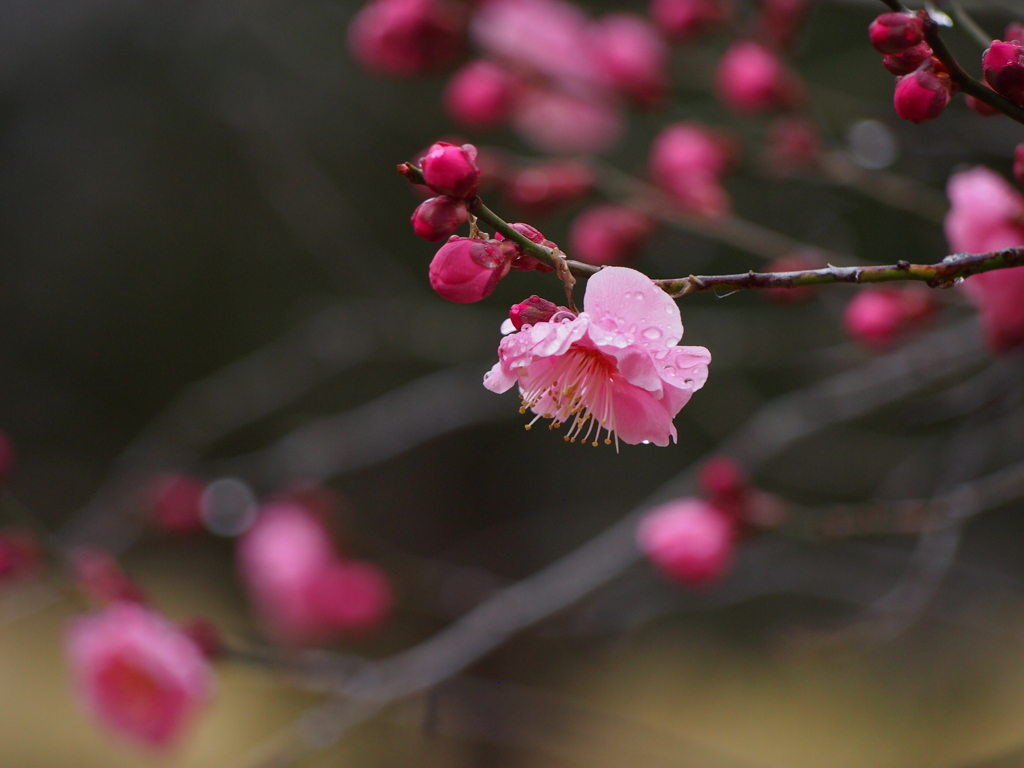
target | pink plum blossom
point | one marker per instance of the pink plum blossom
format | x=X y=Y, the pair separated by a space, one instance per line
x=350 y=597
x=614 y=367
x=689 y=540
x=176 y=503
x=407 y=37
x=751 y=78
x=987 y=214
x=634 y=57
x=138 y=673
x=687 y=160
x=480 y=95
x=560 y=123
x=609 y=234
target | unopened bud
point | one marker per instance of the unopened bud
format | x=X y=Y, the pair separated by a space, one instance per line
x=466 y=270
x=876 y=316
x=407 y=37
x=922 y=95
x=633 y=56
x=451 y=170
x=781 y=19
x=896 y=32
x=1003 y=65
x=751 y=79
x=792 y=144
x=724 y=483
x=532 y=311
x=689 y=540
x=909 y=60
x=522 y=260
x=681 y=20
x=546 y=186
x=437 y=219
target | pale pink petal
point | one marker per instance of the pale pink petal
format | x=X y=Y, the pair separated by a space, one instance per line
x=983 y=202
x=498 y=379
x=541 y=340
x=627 y=308
x=640 y=417
x=685 y=367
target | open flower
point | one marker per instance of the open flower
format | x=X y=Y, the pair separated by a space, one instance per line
x=138 y=673
x=615 y=366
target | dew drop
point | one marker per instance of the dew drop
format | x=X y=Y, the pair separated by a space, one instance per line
x=639 y=296
x=629 y=295
x=652 y=333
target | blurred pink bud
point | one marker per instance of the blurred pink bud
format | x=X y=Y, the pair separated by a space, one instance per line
x=792 y=144
x=407 y=37
x=689 y=540
x=480 y=95
x=451 y=170
x=752 y=79
x=922 y=95
x=437 y=219
x=547 y=186
x=521 y=260
x=981 y=107
x=1014 y=32
x=682 y=20
x=797 y=262
x=97 y=574
x=466 y=270
x=609 y=234
x=20 y=556
x=561 y=124
x=724 y=483
x=532 y=311
x=634 y=57
x=205 y=635
x=176 y=504
x=278 y=557
x=987 y=214
x=1018 y=163
x=138 y=673
x=909 y=60
x=781 y=19
x=349 y=597
x=877 y=315
x=1003 y=66
x=687 y=161
x=896 y=32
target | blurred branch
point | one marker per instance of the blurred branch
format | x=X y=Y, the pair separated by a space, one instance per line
x=519 y=606
x=970 y=26
x=384 y=427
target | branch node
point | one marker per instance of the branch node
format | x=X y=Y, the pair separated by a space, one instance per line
x=903 y=265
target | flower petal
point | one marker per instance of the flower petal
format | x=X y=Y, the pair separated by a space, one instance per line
x=639 y=416
x=627 y=308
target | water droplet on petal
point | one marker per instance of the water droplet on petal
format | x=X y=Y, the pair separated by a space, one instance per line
x=652 y=333
x=629 y=295
x=639 y=296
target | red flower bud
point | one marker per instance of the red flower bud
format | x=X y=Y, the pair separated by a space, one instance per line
x=922 y=95
x=532 y=311
x=688 y=540
x=451 y=170
x=896 y=32
x=437 y=219
x=609 y=234
x=522 y=261
x=467 y=270
x=480 y=95
x=407 y=37
x=906 y=62
x=724 y=483
x=751 y=78
x=633 y=56
x=877 y=315
x=1003 y=65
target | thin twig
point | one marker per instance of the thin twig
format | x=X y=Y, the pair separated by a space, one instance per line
x=970 y=26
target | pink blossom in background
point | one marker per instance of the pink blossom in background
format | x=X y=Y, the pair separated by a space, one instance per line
x=278 y=557
x=725 y=484
x=682 y=20
x=608 y=234
x=796 y=262
x=350 y=597
x=466 y=270
x=614 y=367
x=480 y=95
x=557 y=123
x=781 y=19
x=688 y=160
x=97 y=574
x=21 y=557
x=987 y=214
x=981 y=107
x=752 y=79
x=138 y=673
x=545 y=187
x=545 y=37
x=303 y=591
x=407 y=37
x=792 y=144
x=876 y=316
x=634 y=57
x=176 y=504
x=689 y=540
